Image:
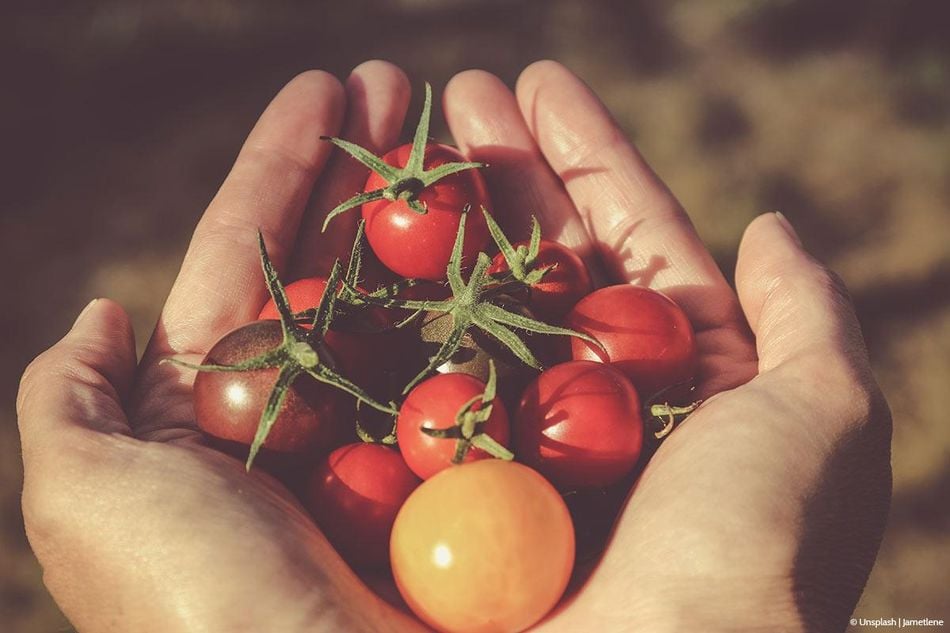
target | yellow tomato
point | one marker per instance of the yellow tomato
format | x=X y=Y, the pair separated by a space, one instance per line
x=483 y=547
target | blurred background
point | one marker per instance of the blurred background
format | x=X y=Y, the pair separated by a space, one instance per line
x=119 y=119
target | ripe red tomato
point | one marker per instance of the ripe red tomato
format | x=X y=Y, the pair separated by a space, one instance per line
x=305 y=294
x=228 y=405
x=354 y=495
x=646 y=336
x=486 y=546
x=579 y=424
x=434 y=404
x=419 y=245
x=562 y=287
x=369 y=352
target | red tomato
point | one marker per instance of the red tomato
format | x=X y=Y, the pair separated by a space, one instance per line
x=560 y=288
x=228 y=405
x=419 y=245
x=486 y=546
x=434 y=404
x=367 y=352
x=305 y=294
x=579 y=424
x=646 y=336
x=354 y=495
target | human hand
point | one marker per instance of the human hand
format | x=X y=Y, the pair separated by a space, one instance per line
x=140 y=527
x=765 y=509
x=137 y=524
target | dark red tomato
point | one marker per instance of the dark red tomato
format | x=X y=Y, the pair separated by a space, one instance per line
x=561 y=288
x=354 y=495
x=228 y=405
x=579 y=424
x=419 y=245
x=434 y=404
x=646 y=336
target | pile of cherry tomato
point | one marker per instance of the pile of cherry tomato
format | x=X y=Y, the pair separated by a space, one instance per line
x=463 y=410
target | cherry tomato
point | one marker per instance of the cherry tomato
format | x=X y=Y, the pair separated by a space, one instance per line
x=486 y=546
x=434 y=404
x=419 y=245
x=367 y=348
x=579 y=424
x=228 y=405
x=646 y=336
x=305 y=294
x=354 y=495
x=559 y=289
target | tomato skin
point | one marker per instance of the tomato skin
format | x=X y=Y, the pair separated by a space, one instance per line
x=354 y=496
x=228 y=405
x=646 y=335
x=434 y=404
x=486 y=546
x=302 y=294
x=420 y=245
x=579 y=424
x=305 y=294
x=366 y=347
x=561 y=287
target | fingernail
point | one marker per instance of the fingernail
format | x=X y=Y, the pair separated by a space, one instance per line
x=788 y=227
x=85 y=311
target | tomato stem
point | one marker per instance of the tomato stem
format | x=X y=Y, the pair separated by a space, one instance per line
x=301 y=351
x=669 y=416
x=402 y=184
x=470 y=307
x=469 y=420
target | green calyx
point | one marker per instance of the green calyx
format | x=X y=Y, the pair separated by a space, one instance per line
x=349 y=301
x=471 y=306
x=301 y=351
x=471 y=417
x=521 y=260
x=404 y=183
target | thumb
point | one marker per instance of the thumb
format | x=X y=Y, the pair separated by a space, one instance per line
x=795 y=306
x=80 y=382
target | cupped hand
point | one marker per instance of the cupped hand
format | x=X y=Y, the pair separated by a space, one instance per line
x=763 y=511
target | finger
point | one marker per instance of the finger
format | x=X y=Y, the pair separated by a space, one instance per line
x=642 y=233
x=485 y=121
x=377 y=96
x=794 y=305
x=78 y=385
x=220 y=284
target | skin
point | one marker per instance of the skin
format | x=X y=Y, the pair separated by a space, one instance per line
x=764 y=511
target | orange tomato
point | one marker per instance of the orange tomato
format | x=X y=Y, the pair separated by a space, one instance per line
x=482 y=547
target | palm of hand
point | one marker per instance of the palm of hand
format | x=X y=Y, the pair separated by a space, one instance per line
x=725 y=512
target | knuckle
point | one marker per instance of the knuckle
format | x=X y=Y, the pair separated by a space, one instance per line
x=849 y=389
